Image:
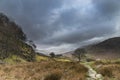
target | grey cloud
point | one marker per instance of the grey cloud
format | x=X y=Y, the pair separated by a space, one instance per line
x=79 y=35
x=29 y=13
x=79 y=28
x=54 y=22
x=107 y=8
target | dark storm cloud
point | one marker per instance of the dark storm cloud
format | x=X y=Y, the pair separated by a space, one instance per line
x=107 y=7
x=31 y=14
x=55 y=22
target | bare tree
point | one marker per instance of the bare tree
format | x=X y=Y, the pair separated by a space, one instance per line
x=79 y=53
x=52 y=54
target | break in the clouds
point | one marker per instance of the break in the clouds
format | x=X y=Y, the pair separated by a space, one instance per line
x=63 y=25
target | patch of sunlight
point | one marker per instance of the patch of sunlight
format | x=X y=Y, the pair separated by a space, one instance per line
x=62 y=60
x=14 y=59
x=39 y=58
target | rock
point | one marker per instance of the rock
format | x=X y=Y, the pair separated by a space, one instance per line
x=98 y=76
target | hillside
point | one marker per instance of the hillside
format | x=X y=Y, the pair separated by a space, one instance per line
x=112 y=43
x=12 y=42
x=108 y=49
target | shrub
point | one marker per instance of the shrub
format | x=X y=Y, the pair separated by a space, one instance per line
x=106 y=72
x=99 y=63
x=53 y=76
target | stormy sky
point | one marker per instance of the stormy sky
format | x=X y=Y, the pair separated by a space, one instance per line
x=63 y=25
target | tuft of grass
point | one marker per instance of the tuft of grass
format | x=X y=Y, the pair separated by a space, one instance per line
x=53 y=76
x=110 y=69
x=106 y=71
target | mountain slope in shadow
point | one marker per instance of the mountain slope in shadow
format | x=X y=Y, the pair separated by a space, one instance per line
x=108 y=49
x=12 y=42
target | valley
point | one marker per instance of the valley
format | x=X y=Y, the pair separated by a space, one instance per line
x=19 y=60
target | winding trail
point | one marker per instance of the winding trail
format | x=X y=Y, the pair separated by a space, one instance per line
x=92 y=74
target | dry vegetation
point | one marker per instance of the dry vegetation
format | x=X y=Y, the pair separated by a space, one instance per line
x=44 y=70
x=110 y=69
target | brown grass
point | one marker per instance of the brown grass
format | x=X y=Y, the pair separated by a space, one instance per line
x=53 y=76
x=44 y=70
x=110 y=71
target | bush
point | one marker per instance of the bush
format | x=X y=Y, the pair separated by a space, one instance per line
x=110 y=71
x=99 y=63
x=106 y=72
x=53 y=76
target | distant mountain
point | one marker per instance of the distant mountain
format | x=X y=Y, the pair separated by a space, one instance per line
x=112 y=43
x=108 y=49
x=12 y=42
x=68 y=54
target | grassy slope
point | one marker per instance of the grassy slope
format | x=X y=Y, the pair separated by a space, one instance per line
x=47 y=70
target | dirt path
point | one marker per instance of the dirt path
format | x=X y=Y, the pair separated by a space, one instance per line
x=92 y=74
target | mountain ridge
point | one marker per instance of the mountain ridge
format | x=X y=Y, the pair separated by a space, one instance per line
x=107 y=49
